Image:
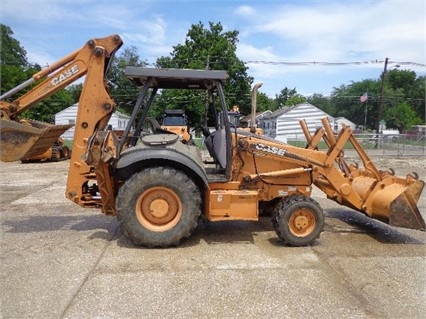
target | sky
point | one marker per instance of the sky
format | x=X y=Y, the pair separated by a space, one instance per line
x=311 y=45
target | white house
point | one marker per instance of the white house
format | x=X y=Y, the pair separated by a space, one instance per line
x=118 y=120
x=338 y=121
x=246 y=120
x=283 y=123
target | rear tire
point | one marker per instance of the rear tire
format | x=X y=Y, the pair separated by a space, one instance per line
x=298 y=220
x=56 y=155
x=67 y=154
x=158 y=207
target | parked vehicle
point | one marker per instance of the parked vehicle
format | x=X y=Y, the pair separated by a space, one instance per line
x=158 y=186
x=176 y=121
x=58 y=152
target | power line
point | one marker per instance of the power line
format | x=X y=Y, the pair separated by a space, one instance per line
x=335 y=63
x=219 y=59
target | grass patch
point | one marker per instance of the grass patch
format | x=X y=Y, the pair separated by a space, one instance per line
x=68 y=143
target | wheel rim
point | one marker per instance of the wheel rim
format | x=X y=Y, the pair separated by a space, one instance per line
x=159 y=209
x=302 y=222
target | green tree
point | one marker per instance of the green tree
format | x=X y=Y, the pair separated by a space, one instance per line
x=122 y=89
x=12 y=75
x=11 y=52
x=409 y=88
x=402 y=101
x=264 y=103
x=401 y=80
x=75 y=91
x=297 y=99
x=45 y=110
x=345 y=100
x=208 y=48
x=15 y=69
x=401 y=116
x=288 y=97
x=417 y=97
x=322 y=102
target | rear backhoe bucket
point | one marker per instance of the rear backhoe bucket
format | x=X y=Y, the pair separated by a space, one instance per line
x=27 y=138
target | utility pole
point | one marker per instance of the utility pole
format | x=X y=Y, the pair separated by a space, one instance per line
x=365 y=115
x=382 y=95
x=381 y=100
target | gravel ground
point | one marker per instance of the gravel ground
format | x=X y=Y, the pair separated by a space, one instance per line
x=59 y=260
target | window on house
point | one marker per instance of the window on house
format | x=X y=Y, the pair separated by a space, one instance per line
x=71 y=122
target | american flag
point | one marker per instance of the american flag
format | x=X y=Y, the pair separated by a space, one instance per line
x=363 y=98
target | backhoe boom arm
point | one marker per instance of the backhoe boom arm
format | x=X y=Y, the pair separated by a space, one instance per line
x=58 y=75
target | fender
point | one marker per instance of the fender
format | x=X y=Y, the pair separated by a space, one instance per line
x=137 y=159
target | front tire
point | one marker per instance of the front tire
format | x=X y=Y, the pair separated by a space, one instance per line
x=298 y=220
x=158 y=207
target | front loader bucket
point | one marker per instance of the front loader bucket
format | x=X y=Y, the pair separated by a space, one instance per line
x=378 y=194
x=404 y=211
x=27 y=138
x=392 y=200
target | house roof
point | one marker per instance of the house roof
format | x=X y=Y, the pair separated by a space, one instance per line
x=286 y=109
x=343 y=119
x=117 y=113
x=247 y=118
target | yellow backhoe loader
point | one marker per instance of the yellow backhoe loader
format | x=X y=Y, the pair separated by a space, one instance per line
x=176 y=121
x=57 y=152
x=158 y=186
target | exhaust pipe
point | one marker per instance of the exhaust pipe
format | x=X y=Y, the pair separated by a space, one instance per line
x=253 y=107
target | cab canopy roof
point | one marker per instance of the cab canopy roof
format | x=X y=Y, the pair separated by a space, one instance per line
x=174 y=112
x=175 y=78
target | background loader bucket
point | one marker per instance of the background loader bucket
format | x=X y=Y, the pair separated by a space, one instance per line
x=27 y=138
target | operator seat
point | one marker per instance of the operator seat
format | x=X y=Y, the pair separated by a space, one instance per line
x=216 y=145
x=156 y=127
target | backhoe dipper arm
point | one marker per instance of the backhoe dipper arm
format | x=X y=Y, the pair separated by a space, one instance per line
x=59 y=75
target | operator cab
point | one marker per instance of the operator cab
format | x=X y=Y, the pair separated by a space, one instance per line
x=209 y=85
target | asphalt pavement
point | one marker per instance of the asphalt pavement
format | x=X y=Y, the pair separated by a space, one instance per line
x=59 y=260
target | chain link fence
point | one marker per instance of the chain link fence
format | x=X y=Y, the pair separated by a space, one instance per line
x=400 y=145
x=389 y=145
x=393 y=145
